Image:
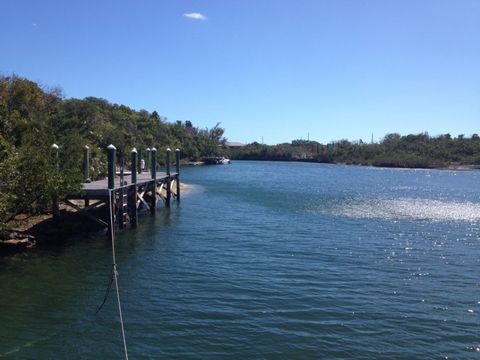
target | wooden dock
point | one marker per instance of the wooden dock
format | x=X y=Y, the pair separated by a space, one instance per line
x=100 y=188
x=125 y=193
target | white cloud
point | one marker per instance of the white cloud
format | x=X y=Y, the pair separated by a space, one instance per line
x=195 y=16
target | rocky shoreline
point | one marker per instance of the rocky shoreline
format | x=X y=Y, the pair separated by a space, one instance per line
x=27 y=232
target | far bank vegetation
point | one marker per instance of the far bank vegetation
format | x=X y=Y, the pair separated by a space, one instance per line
x=394 y=150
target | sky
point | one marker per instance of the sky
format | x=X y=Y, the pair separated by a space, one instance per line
x=271 y=70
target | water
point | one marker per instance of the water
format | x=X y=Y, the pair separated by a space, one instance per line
x=267 y=260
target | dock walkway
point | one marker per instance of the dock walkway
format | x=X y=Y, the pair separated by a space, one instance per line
x=100 y=187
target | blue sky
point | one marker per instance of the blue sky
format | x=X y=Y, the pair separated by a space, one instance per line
x=275 y=69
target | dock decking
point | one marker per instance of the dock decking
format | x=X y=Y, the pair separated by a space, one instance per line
x=100 y=187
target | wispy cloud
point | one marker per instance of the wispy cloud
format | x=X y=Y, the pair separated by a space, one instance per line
x=195 y=16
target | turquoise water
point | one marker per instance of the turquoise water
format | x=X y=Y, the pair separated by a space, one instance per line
x=267 y=260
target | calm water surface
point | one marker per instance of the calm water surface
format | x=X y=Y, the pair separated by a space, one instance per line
x=267 y=260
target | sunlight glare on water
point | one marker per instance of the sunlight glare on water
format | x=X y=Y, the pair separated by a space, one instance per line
x=408 y=208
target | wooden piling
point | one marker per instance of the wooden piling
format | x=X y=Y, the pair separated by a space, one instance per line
x=169 y=179
x=133 y=189
x=86 y=163
x=86 y=170
x=177 y=168
x=111 y=154
x=55 y=209
x=153 y=172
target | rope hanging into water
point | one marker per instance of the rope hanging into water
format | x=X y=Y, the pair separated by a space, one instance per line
x=114 y=275
x=106 y=293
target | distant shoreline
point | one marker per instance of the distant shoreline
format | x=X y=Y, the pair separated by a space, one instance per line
x=433 y=167
x=414 y=151
x=392 y=166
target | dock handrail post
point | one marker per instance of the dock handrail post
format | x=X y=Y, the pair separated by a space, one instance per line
x=86 y=163
x=133 y=189
x=153 y=163
x=55 y=209
x=86 y=170
x=169 y=190
x=111 y=154
x=177 y=168
x=153 y=168
x=167 y=160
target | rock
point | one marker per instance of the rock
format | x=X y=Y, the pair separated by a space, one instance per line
x=17 y=244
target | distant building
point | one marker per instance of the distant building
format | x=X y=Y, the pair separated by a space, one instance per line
x=233 y=144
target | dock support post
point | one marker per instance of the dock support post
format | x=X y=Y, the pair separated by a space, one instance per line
x=55 y=208
x=111 y=154
x=169 y=190
x=153 y=169
x=86 y=170
x=177 y=168
x=86 y=163
x=133 y=190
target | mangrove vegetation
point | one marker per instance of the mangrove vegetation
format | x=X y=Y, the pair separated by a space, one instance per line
x=394 y=150
x=32 y=118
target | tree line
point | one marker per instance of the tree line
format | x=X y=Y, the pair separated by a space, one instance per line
x=394 y=150
x=32 y=118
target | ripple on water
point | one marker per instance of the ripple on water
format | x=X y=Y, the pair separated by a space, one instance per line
x=406 y=208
